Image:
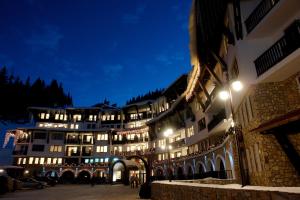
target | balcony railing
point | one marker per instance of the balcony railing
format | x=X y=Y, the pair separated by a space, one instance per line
x=216 y=119
x=73 y=153
x=72 y=141
x=280 y=50
x=23 y=152
x=178 y=143
x=261 y=10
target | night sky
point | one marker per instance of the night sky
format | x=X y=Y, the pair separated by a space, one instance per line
x=97 y=48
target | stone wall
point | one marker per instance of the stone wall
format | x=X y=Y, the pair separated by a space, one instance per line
x=188 y=191
x=266 y=161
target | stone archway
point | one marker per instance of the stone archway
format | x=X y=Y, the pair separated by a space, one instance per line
x=146 y=166
x=83 y=177
x=67 y=176
x=179 y=173
x=229 y=165
x=119 y=172
x=220 y=167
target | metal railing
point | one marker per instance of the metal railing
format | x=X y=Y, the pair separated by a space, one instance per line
x=280 y=50
x=261 y=10
x=216 y=119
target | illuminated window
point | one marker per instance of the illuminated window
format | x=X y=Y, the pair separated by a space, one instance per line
x=112 y=117
x=77 y=117
x=102 y=137
x=19 y=161
x=24 y=161
x=101 y=149
x=101 y=160
x=47 y=116
x=30 y=160
x=103 y=117
x=42 y=115
x=65 y=117
x=55 y=148
x=120 y=148
x=106 y=160
x=36 y=161
x=108 y=117
x=72 y=126
x=190 y=131
x=76 y=126
x=42 y=160
x=96 y=160
x=61 y=117
x=48 y=161
x=54 y=160
x=56 y=116
x=59 y=161
x=119 y=117
x=120 y=137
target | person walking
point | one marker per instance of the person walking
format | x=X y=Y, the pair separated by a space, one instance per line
x=131 y=180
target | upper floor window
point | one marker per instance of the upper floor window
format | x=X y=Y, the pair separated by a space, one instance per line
x=190 y=131
x=55 y=148
x=38 y=147
x=39 y=135
x=92 y=117
x=77 y=117
x=102 y=137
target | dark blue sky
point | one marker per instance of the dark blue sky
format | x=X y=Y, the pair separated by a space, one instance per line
x=97 y=48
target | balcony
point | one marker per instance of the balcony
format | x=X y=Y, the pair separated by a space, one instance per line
x=262 y=9
x=216 y=119
x=269 y=16
x=73 y=153
x=72 y=141
x=178 y=143
x=285 y=46
x=20 y=152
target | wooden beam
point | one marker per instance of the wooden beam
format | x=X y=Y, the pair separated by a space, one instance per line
x=212 y=73
x=204 y=90
x=199 y=101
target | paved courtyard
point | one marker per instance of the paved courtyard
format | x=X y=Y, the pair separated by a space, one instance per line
x=75 y=192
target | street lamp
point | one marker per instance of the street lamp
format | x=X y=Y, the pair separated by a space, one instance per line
x=224 y=95
x=167 y=134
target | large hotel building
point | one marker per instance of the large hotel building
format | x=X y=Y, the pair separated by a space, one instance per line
x=235 y=116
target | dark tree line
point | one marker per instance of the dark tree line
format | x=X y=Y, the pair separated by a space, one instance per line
x=16 y=95
x=151 y=95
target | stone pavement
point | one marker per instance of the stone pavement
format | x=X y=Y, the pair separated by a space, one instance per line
x=76 y=192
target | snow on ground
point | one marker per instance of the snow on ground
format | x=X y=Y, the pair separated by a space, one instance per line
x=234 y=186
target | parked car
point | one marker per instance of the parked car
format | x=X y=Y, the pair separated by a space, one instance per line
x=50 y=181
x=32 y=183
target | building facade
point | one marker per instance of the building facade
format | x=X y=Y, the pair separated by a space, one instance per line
x=234 y=117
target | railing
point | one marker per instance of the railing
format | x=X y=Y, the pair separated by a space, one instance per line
x=261 y=10
x=126 y=141
x=216 y=119
x=178 y=143
x=72 y=141
x=86 y=154
x=280 y=50
x=73 y=154
x=24 y=152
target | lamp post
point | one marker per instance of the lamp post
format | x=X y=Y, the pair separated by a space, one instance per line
x=167 y=134
x=225 y=95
